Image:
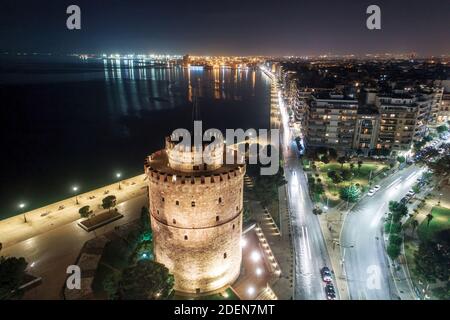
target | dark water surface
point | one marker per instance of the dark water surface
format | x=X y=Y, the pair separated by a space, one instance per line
x=65 y=121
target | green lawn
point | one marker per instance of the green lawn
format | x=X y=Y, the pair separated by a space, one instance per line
x=441 y=221
x=360 y=176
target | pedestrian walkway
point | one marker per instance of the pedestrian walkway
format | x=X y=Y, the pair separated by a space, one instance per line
x=331 y=224
x=14 y=230
x=279 y=240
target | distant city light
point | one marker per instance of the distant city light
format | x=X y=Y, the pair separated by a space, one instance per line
x=75 y=188
x=250 y=291
x=21 y=205
x=118 y=174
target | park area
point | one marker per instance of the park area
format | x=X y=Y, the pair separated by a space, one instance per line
x=439 y=222
x=424 y=254
x=326 y=180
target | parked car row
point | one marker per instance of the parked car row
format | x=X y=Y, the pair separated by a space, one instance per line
x=373 y=190
x=327 y=277
x=408 y=197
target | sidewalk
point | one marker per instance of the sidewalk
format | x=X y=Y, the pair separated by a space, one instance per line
x=14 y=229
x=280 y=244
x=331 y=225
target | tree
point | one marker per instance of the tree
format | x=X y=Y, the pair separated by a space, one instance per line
x=342 y=161
x=395 y=239
x=318 y=188
x=401 y=159
x=147 y=280
x=109 y=202
x=347 y=175
x=85 y=211
x=360 y=163
x=325 y=159
x=332 y=153
x=398 y=210
x=350 y=193
x=414 y=224
x=433 y=258
x=429 y=218
x=392 y=227
x=442 y=128
x=441 y=166
x=334 y=176
x=12 y=275
x=352 y=166
x=393 y=251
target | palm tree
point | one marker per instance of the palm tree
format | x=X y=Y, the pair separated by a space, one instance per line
x=341 y=160
x=360 y=163
x=429 y=218
x=414 y=225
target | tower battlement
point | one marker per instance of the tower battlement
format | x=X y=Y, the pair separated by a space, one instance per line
x=196 y=216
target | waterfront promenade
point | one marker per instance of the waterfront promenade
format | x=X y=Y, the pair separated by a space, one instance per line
x=14 y=230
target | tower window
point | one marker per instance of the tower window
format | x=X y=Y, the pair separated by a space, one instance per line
x=185 y=237
x=237 y=208
x=220 y=200
x=196 y=168
x=177 y=203
x=233 y=226
x=225 y=255
x=157 y=211
x=217 y=218
x=174 y=221
x=162 y=199
x=193 y=204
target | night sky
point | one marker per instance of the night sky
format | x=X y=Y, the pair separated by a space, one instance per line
x=226 y=27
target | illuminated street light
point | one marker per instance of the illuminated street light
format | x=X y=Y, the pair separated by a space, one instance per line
x=22 y=207
x=75 y=190
x=118 y=176
x=255 y=256
x=258 y=271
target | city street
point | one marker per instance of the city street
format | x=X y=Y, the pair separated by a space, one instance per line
x=309 y=246
x=362 y=249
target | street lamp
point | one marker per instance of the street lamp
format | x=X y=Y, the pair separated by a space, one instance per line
x=439 y=202
x=22 y=207
x=118 y=175
x=75 y=190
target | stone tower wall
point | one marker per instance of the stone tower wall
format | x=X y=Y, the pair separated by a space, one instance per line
x=197 y=226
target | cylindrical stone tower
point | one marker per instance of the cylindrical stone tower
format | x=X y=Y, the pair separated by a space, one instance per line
x=196 y=216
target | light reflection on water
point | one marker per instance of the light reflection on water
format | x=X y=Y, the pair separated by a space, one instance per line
x=71 y=121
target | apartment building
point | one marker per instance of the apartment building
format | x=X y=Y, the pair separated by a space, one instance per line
x=330 y=121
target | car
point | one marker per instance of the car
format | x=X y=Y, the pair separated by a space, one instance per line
x=411 y=193
x=371 y=192
x=330 y=291
x=326 y=274
x=376 y=187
